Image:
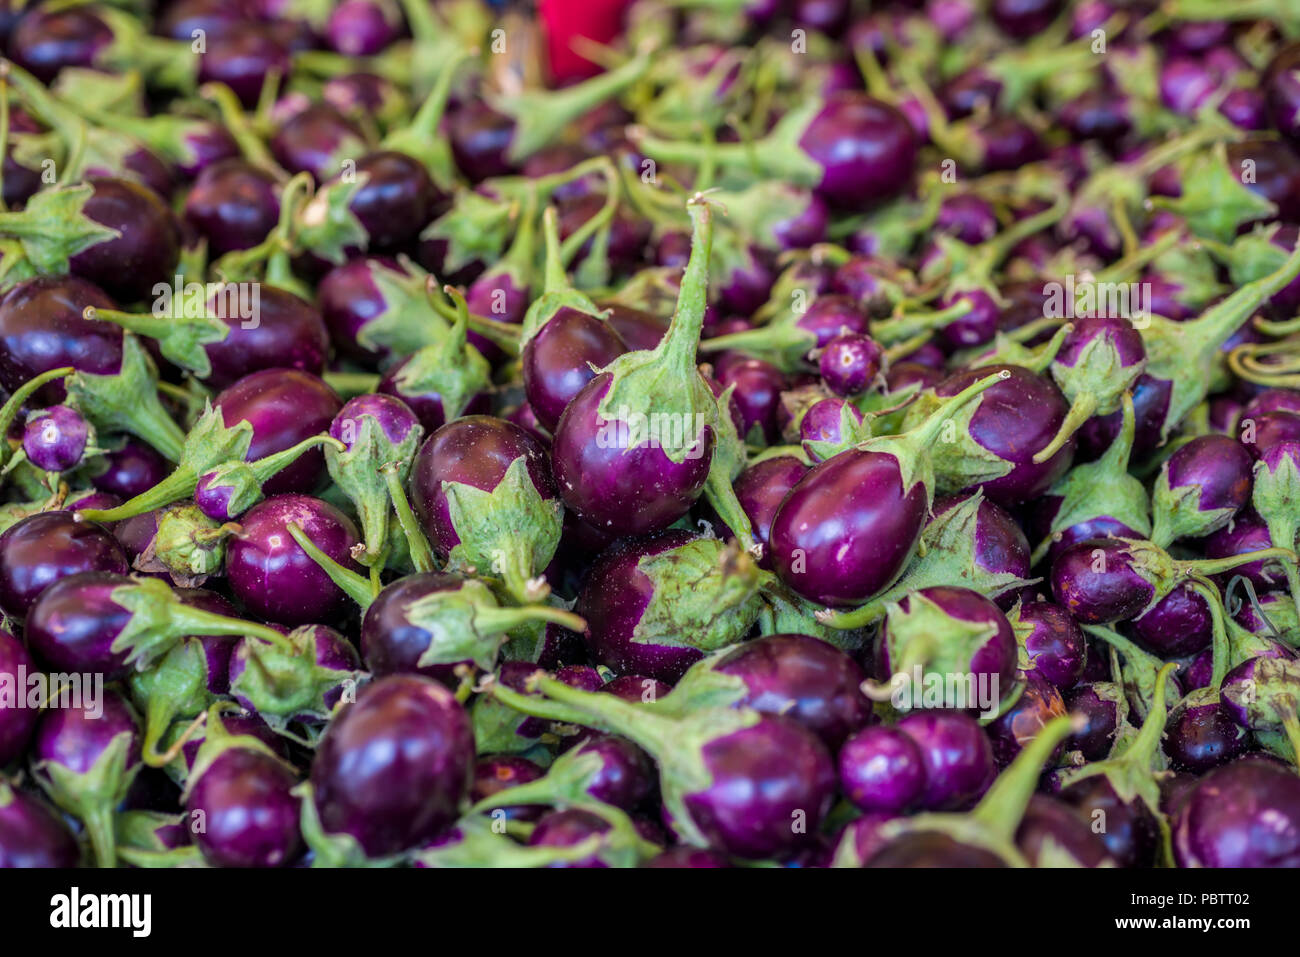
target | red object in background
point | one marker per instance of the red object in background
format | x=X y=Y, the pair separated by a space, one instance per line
x=562 y=20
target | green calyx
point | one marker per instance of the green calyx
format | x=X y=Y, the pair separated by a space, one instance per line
x=15 y=403
x=1276 y=497
x=128 y=401
x=705 y=595
x=924 y=639
x=557 y=292
x=174 y=688
x=945 y=556
x=468 y=624
x=564 y=785
x=1269 y=697
x=483 y=842
x=1101 y=487
x=1183 y=353
x=1215 y=202
x=181 y=338
x=1135 y=770
x=92 y=795
x=1177 y=513
x=288 y=682
x=939 y=434
x=210 y=443
x=661 y=389
x=992 y=824
x=357 y=469
x=190 y=545
x=217 y=741
x=159 y=620
x=785 y=613
x=510 y=532
x=728 y=461
x=326 y=224
x=420 y=138
x=52 y=228
x=1095 y=385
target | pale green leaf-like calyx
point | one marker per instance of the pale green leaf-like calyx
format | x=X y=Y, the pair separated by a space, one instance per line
x=705 y=595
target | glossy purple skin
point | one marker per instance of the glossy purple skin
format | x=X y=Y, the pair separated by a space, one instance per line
x=315 y=140
x=44 y=42
x=1009 y=144
x=214 y=17
x=761 y=489
x=626 y=491
x=1245 y=814
x=1101 y=715
x=685 y=856
x=1282 y=89
x=1272 y=400
x=865 y=148
x=74 y=623
x=348 y=299
x=1219 y=465
x=251 y=816
x=1015 y=419
x=41 y=328
x=136 y=534
x=1115 y=592
x=1056 y=646
x=1050 y=826
x=558 y=362
x=1186 y=84
x=56 y=439
x=238 y=723
x=565 y=828
x=1120 y=334
x=273 y=576
x=1200 y=737
x=75 y=737
x=394 y=417
x=994 y=661
x=1098 y=115
x=822 y=423
x=855 y=498
x=476 y=451
x=284 y=406
x=636 y=688
x=243 y=58
x=288 y=333
x=830 y=316
x=957 y=757
x=1176 y=626
x=499 y=772
x=428 y=405
x=1246 y=109
x=233 y=205
x=757 y=395
x=1197 y=672
x=881 y=769
x=1000 y=544
x=804 y=679
x=497 y=296
x=1131 y=835
x=612 y=600
x=626 y=776
x=128 y=266
x=850 y=363
x=762 y=775
x=639 y=329
x=33 y=835
x=1011 y=731
x=968 y=218
x=16 y=720
x=1266 y=430
x=1246 y=533
x=361 y=28
x=1277 y=173
x=931 y=849
x=397 y=200
x=41 y=549
x=390 y=642
x=480 y=140
x=393 y=768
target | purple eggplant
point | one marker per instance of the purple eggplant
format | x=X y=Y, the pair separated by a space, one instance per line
x=1201 y=488
x=233 y=205
x=42 y=328
x=271 y=573
x=430 y=623
x=881 y=769
x=1203 y=735
x=849 y=527
x=85 y=759
x=654 y=606
x=1051 y=644
x=55 y=438
x=32 y=834
x=17 y=715
x=249 y=818
x=1101 y=705
x=743 y=783
x=42 y=549
x=956 y=754
x=1245 y=814
x=392 y=769
x=484 y=493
